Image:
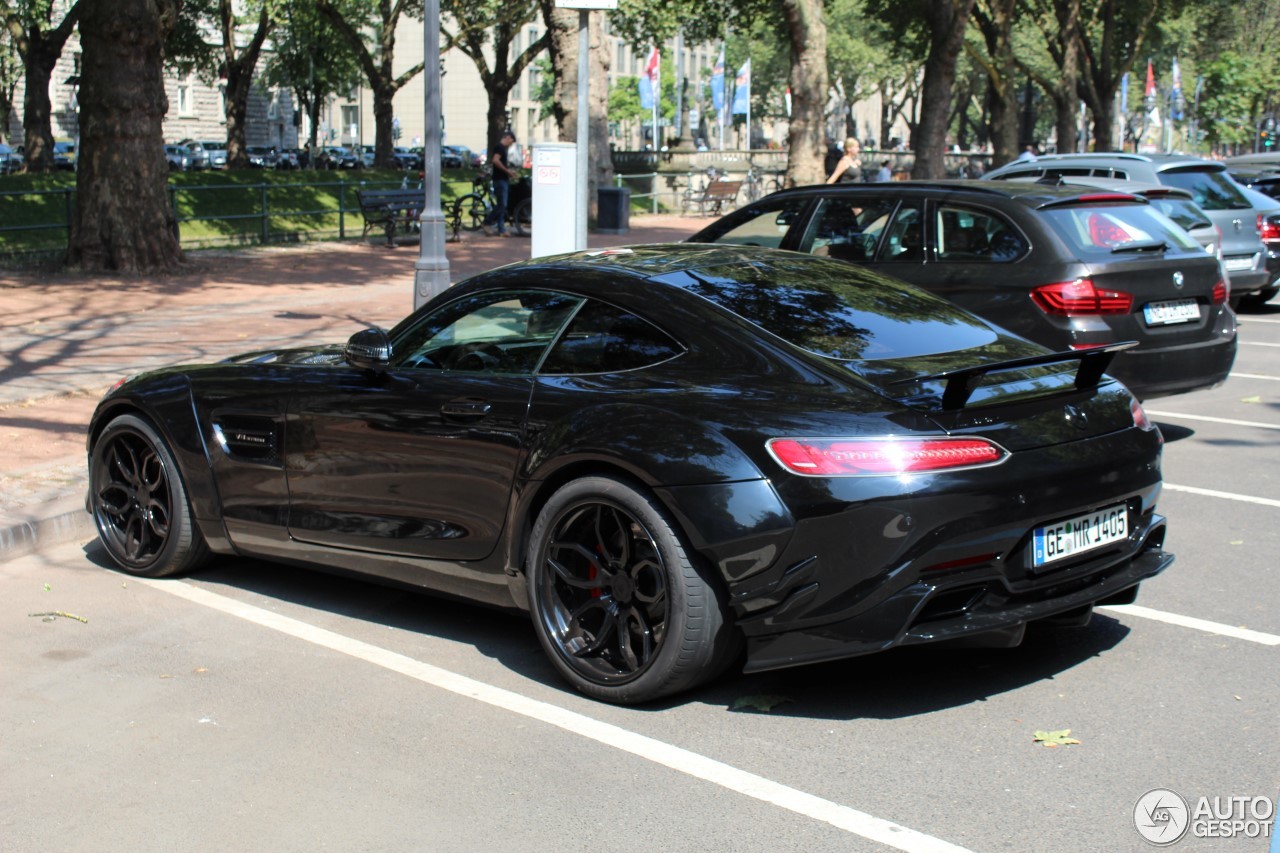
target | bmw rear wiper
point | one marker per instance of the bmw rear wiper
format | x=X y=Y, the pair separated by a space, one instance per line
x=1149 y=246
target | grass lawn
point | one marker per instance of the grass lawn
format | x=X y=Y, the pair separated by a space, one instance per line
x=214 y=208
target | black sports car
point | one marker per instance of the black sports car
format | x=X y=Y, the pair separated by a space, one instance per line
x=660 y=452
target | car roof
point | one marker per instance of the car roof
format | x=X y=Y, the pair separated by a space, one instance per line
x=1030 y=193
x=1142 y=188
x=1160 y=162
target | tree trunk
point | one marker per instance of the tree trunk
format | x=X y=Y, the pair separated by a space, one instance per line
x=562 y=46
x=1066 y=93
x=807 y=32
x=948 y=20
x=37 y=127
x=384 y=114
x=238 y=85
x=562 y=27
x=122 y=219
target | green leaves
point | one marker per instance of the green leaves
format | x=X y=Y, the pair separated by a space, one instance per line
x=1055 y=739
x=763 y=703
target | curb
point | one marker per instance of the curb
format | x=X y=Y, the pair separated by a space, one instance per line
x=56 y=522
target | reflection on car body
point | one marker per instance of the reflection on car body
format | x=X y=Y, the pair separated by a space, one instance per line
x=664 y=454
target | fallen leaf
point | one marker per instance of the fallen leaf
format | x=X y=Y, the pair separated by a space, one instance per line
x=200 y=669
x=764 y=703
x=1238 y=699
x=1251 y=399
x=47 y=588
x=1237 y=542
x=1055 y=739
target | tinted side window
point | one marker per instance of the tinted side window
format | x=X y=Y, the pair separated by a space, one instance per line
x=972 y=236
x=605 y=339
x=490 y=332
x=760 y=225
x=848 y=229
x=905 y=241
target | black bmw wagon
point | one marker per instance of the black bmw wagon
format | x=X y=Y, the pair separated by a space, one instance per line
x=1068 y=269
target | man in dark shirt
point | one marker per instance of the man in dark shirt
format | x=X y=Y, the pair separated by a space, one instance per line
x=502 y=174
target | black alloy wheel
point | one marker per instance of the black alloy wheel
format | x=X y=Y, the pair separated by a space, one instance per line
x=138 y=501
x=621 y=606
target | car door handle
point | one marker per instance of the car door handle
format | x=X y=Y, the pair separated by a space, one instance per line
x=465 y=408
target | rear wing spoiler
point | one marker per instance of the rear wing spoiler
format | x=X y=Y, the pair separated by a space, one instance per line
x=961 y=383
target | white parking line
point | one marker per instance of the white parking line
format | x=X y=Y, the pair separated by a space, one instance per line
x=678 y=759
x=1255 y=344
x=1228 y=421
x=1192 y=622
x=1214 y=493
x=1247 y=320
x=1254 y=376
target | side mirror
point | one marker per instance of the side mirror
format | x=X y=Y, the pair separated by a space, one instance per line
x=369 y=349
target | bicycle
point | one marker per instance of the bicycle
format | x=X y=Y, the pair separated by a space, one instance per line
x=696 y=184
x=759 y=184
x=470 y=212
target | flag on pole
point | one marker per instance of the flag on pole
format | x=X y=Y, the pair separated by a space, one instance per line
x=717 y=85
x=1124 y=93
x=1176 y=101
x=1151 y=85
x=650 y=91
x=788 y=100
x=742 y=89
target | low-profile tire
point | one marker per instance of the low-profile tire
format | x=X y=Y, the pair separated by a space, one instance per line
x=139 y=502
x=624 y=609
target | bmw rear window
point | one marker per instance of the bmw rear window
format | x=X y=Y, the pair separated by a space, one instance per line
x=1105 y=230
x=1210 y=189
x=837 y=310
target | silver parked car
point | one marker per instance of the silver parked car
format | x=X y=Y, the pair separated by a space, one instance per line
x=1243 y=254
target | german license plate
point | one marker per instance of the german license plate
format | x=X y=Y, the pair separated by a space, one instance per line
x=1173 y=311
x=1073 y=536
x=1238 y=264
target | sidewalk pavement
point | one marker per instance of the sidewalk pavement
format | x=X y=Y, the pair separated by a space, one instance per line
x=69 y=336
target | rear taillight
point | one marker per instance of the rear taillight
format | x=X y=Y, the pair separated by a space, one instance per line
x=1140 y=419
x=1258 y=227
x=1220 y=292
x=1270 y=230
x=1074 y=298
x=878 y=457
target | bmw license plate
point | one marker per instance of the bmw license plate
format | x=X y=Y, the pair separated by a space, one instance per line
x=1073 y=536
x=1238 y=264
x=1173 y=311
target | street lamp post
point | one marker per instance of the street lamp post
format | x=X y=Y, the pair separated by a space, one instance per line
x=431 y=269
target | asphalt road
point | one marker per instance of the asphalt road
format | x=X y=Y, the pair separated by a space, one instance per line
x=261 y=707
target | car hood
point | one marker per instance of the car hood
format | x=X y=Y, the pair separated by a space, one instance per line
x=324 y=354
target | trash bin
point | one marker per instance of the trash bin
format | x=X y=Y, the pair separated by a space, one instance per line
x=614 y=210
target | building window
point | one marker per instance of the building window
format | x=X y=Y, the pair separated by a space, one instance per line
x=186 y=99
x=351 y=122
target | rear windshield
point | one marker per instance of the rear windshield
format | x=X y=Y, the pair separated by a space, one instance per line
x=1182 y=211
x=1107 y=230
x=839 y=311
x=1210 y=189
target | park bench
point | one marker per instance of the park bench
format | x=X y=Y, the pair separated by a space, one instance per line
x=716 y=196
x=389 y=208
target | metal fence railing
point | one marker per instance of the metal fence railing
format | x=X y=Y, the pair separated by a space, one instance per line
x=36 y=223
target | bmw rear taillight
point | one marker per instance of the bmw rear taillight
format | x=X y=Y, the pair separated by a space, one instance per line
x=1080 y=297
x=879 y=457
x=1220 y=292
